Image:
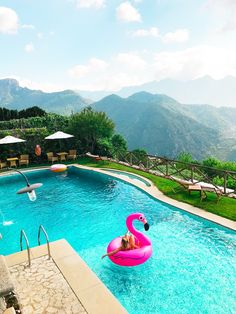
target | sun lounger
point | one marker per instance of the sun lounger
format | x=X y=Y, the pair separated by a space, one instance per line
x=203 y=189
x=215 y=190
x=95 y=157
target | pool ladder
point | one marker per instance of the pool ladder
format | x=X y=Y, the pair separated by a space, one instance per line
x=23 y=236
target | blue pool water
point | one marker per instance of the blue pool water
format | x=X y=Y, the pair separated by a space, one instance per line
x=193 y=267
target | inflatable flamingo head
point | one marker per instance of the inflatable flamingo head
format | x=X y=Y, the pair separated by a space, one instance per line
x=138 y=216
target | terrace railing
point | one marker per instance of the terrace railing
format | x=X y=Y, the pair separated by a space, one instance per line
x=180 y=171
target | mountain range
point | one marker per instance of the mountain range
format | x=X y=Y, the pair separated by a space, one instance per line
x=204 y=90
x=155 y=122
x=165 y=127
x=13 y=96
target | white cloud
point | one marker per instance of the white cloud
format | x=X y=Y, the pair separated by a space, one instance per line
x=97 y=4
x=134 y=68
x=195 y=62
x=44 y=86
x=126 y=12
x=178 y=36
x=121 y=69
x=40 y=35
x=29 y=47
x=151 y=32
x=28 y=26
x=131 y=60
x=226 y=10
x=94 y=65
x=9 y=23
x=221 y=3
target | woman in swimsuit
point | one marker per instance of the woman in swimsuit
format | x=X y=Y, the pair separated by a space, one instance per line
x=127 y=243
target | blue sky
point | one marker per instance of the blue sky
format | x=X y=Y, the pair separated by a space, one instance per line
x=108 y=44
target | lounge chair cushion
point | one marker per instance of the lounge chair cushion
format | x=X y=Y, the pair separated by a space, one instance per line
x=6 y=284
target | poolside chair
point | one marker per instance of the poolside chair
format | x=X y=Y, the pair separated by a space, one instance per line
x=3 y=164
x=72 y=154
x=12 y=161
x=24 y=160
x=62 y=156
x=51 y=157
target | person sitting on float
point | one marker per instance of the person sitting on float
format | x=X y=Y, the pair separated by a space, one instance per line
x=127 y=243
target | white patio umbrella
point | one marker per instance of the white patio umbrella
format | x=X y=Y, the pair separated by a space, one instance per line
x=58 y=136
x=11 y=140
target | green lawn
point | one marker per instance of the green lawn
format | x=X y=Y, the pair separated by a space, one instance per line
x=225 y=207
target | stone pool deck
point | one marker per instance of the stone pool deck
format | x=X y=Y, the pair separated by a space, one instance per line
x=63 y=284
x=43 y=289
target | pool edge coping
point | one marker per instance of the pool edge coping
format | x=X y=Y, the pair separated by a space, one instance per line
x=112 y=170
x=157 y=194
x=93 y=294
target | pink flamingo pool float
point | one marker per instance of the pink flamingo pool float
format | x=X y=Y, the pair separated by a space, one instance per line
x=136 y=256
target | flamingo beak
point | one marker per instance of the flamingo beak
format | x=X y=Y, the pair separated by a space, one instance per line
x=146 y=226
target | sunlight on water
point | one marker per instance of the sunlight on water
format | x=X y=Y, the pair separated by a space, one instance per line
x=7 y=223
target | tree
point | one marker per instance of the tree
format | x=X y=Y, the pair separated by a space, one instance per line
x=211 y=162
x=119 y=143
x=32 y=112
x=140 y=154
x=90 y=128
x=185 y=157
x=104 y=147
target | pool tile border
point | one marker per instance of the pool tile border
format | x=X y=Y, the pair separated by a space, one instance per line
x=95 y=297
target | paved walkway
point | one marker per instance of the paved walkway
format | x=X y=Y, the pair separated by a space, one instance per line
x=43 y=289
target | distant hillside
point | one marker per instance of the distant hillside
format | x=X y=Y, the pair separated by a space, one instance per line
x=222 y=118
x=12 y=96
x=158 y=124
x=204 y=90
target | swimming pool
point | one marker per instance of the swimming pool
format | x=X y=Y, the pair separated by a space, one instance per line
x=129 y=175
x=193 y=267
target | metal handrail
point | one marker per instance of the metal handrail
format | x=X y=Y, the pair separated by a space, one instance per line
x=47 y=240
x=22 y=234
